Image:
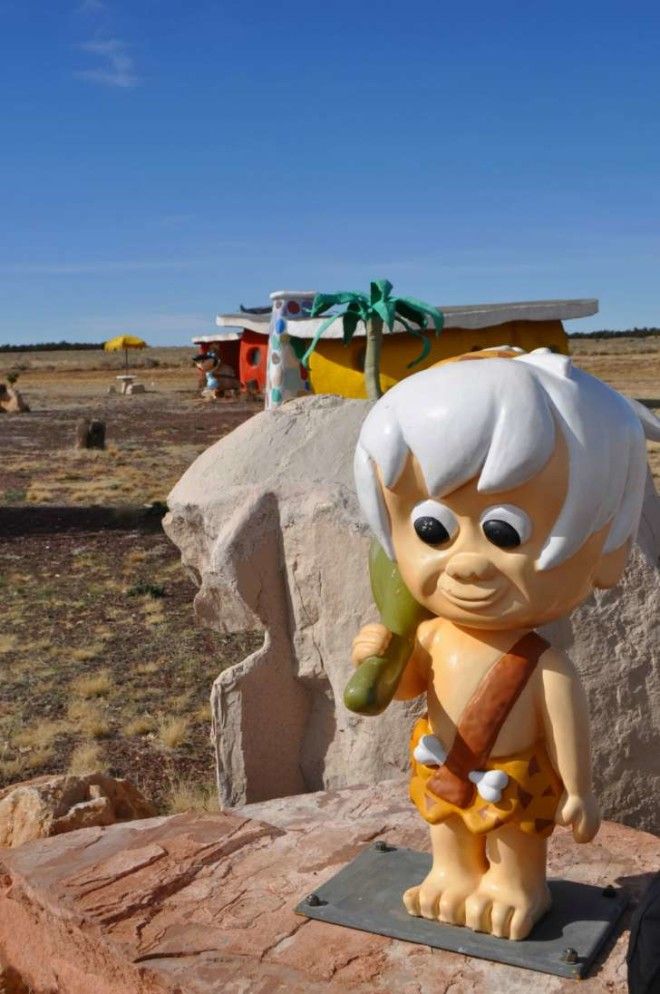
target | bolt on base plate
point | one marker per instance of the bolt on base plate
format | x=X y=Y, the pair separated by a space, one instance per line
x=366 y=895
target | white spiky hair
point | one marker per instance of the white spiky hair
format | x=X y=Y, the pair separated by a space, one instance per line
x=497 y=418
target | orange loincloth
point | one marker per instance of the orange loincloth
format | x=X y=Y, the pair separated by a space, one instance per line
x=529 y=800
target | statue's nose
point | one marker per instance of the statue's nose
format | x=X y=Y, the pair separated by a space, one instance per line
x=470 y=566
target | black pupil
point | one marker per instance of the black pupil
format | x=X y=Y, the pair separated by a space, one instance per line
x=501 y=533
x=431 y=531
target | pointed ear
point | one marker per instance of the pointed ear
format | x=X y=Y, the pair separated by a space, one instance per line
x=610 y=566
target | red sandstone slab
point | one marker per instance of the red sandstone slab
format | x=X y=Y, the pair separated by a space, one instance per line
x=204 y=903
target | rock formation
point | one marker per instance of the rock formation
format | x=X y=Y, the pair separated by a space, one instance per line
x=12 y=400
x=204 y=903
x=51 y=805
x=269 y=528
x=90 y=434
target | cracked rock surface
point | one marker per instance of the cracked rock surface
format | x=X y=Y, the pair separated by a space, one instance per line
x=194 y=904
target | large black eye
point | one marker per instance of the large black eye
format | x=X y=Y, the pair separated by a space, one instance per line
x=431 y=531
x=434 y=522
x=501 y=533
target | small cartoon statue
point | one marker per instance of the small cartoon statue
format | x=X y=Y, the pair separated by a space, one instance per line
x=218 y=376
x=502 y=492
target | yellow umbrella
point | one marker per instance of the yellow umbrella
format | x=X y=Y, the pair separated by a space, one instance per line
x=125 y=342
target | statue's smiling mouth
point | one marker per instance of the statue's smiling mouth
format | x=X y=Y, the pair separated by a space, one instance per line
x=469 y=594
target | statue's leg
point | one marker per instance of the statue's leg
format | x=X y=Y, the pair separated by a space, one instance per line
x=459 y=862
x=513 y=894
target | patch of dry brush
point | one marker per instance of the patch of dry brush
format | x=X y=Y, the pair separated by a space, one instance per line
x=88 y=680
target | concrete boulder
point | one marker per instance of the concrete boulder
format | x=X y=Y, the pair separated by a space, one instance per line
x=269 y=528
x=52 y=805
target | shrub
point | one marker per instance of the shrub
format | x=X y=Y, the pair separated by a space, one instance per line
x=144 y=589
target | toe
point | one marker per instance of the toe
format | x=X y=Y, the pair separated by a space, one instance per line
x=477 y=912
x=428 y=902
x=500 y=919
x=521 y=925
x=411 y=901
x=451 y=909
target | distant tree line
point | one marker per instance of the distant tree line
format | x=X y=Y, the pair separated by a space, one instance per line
x=52 y=347
x=630 y=333
x=88 y=346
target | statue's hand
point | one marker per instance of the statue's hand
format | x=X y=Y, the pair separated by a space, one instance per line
x=372 y=640
x=581 y=813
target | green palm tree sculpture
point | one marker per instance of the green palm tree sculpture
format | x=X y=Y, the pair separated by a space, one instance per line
x=379 y=309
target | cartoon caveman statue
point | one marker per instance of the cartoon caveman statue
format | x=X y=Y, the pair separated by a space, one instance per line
x=505 y=490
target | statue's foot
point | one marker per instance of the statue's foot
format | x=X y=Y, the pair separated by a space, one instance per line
x=441 y=896
x=506 y=908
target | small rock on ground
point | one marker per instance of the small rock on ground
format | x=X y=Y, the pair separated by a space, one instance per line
x=52 y=805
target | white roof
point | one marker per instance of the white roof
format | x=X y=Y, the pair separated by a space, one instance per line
x=231 y=335
x=298 y=294
x=470 y=316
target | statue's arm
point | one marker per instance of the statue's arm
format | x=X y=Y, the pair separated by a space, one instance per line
x=415 y=679
x=566 y=724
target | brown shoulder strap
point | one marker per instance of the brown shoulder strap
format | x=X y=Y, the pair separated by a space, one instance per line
x=483 y=717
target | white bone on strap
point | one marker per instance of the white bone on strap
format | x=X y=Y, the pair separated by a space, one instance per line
x=489 y=783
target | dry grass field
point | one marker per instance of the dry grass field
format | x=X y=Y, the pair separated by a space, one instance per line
x=101 y=663
x=151 y=437
x=630 y=365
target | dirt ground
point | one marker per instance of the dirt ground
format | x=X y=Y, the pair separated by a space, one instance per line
x=101 y=663
x=151 y=438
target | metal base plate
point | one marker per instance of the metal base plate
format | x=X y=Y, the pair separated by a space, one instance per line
x=366 y=895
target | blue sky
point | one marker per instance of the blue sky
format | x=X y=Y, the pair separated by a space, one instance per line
x=163 y=161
